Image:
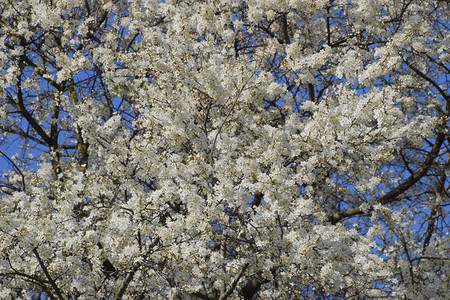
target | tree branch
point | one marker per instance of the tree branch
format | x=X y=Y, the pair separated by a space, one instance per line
x=252 y=287
x=436 y=209
x=47 y=274
x=234 y=283
x=433 y=83
x=16 y=168
x=284 y=29
x=397 y=191
x=130 y=276
x=23 y=111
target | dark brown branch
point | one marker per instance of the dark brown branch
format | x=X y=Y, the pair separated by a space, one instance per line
x=130 y=276
x=22 y=57
x=328 y=27
x=231 y=288
x=432 y=220
x=393 y=195
x=433 y=83
x=312 y=96
x=127 y=281
x=399 y=233
x=29 y=278
x=436 y=209
x=270 y=33
x=18 y=131
x=201 y=296
x=16 y=168
x=252 y=287
x=54 y=132
x=23 y=111
x=32 y=279
x=284 y=29
x=47 y=274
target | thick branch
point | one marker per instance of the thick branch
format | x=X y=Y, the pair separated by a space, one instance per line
x=312 y=96
x=130 y=276
x=393 y=195
x=32 y=279
x=127 y=281
x=23 y=111
x=284 y=29
x=19 y=131
x=342 y=215
x=410 y=181
x=233 y=284
x=436 y=209
x=252 y=287
x=47 y=274
x=201 y=296
x=431 y=81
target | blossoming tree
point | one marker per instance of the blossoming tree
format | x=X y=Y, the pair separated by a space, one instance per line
x=226 y=149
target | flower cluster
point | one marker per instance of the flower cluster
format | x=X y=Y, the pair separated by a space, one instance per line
x=224 y=149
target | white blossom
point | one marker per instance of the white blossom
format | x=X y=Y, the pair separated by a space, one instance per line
x=224 y=149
